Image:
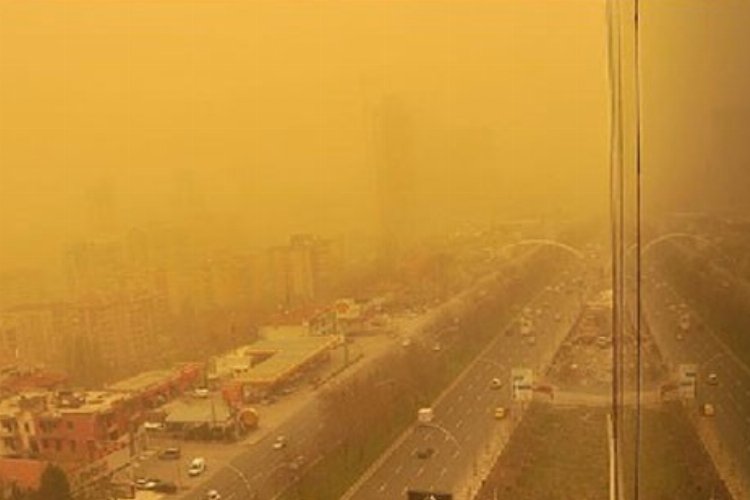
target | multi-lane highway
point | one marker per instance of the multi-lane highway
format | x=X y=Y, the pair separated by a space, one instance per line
x=262 y=472
x=464 y=422
x=701 y=345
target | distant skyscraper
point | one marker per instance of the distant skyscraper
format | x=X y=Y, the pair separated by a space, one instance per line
x=392 y=144
x=101 y=208
x=303 y=271
x=189 y=200
x=120 y=301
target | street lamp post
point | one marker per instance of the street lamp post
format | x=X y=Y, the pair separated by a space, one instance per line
x=242 y=476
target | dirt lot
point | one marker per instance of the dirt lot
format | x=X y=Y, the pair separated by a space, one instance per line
x=542 y=461
x=560 y=453
x=673 y=461
x=584 y=361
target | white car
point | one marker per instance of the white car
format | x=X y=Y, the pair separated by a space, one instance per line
x=197 y=467
x=280 y=443
x=201 y=392
x=684 y=322
x=500 y=413
x=143 y=483
x=213 y=495
x=154 y=426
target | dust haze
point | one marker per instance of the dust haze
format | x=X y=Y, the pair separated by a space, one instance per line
x=265 y=115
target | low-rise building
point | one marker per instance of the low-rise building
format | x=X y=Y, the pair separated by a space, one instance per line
x=201 y=418
x=279 y=357
x=154 y=388
x=84 y=427
x=19 y=475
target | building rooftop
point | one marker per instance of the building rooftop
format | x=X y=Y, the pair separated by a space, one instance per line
x=281 y=350
x=142 y=381
x=92 y=402
x=197 y=411
x=289 y=347
x=19 y=380
x=11 y=405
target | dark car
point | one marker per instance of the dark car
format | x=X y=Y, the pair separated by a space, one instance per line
x=165 y=487
x=170 y=454
x=425 y=452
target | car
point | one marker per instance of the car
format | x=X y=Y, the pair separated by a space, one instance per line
x=712 y=379
x=424 y=453
x=165 y=487
x=172 y=453
x=154 y=426
x=685 y=322
x=201 y=392
x=437 y=347
x=143 y=483
x=297 y=463
x=500 y=413
x=425 y=415
x=279 y=443
x=268 y=400
x=213 y=495
x=496 y=383
x=197 y=467
x=708 y=410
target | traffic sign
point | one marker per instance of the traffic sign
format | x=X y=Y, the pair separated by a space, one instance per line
x=686 y=379
x=522 y=380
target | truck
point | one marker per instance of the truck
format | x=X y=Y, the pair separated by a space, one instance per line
x=249 y=418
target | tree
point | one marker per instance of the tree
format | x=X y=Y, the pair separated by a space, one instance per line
x=17 y=494
x=54 y=485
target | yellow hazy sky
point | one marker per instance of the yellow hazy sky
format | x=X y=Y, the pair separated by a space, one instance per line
x=268 y=102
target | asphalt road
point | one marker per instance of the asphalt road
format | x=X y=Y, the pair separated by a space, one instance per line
x=261 y=472
x=464 y=414
x=701 y=345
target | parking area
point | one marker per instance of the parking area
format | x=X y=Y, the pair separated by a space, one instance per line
x=272 y=413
